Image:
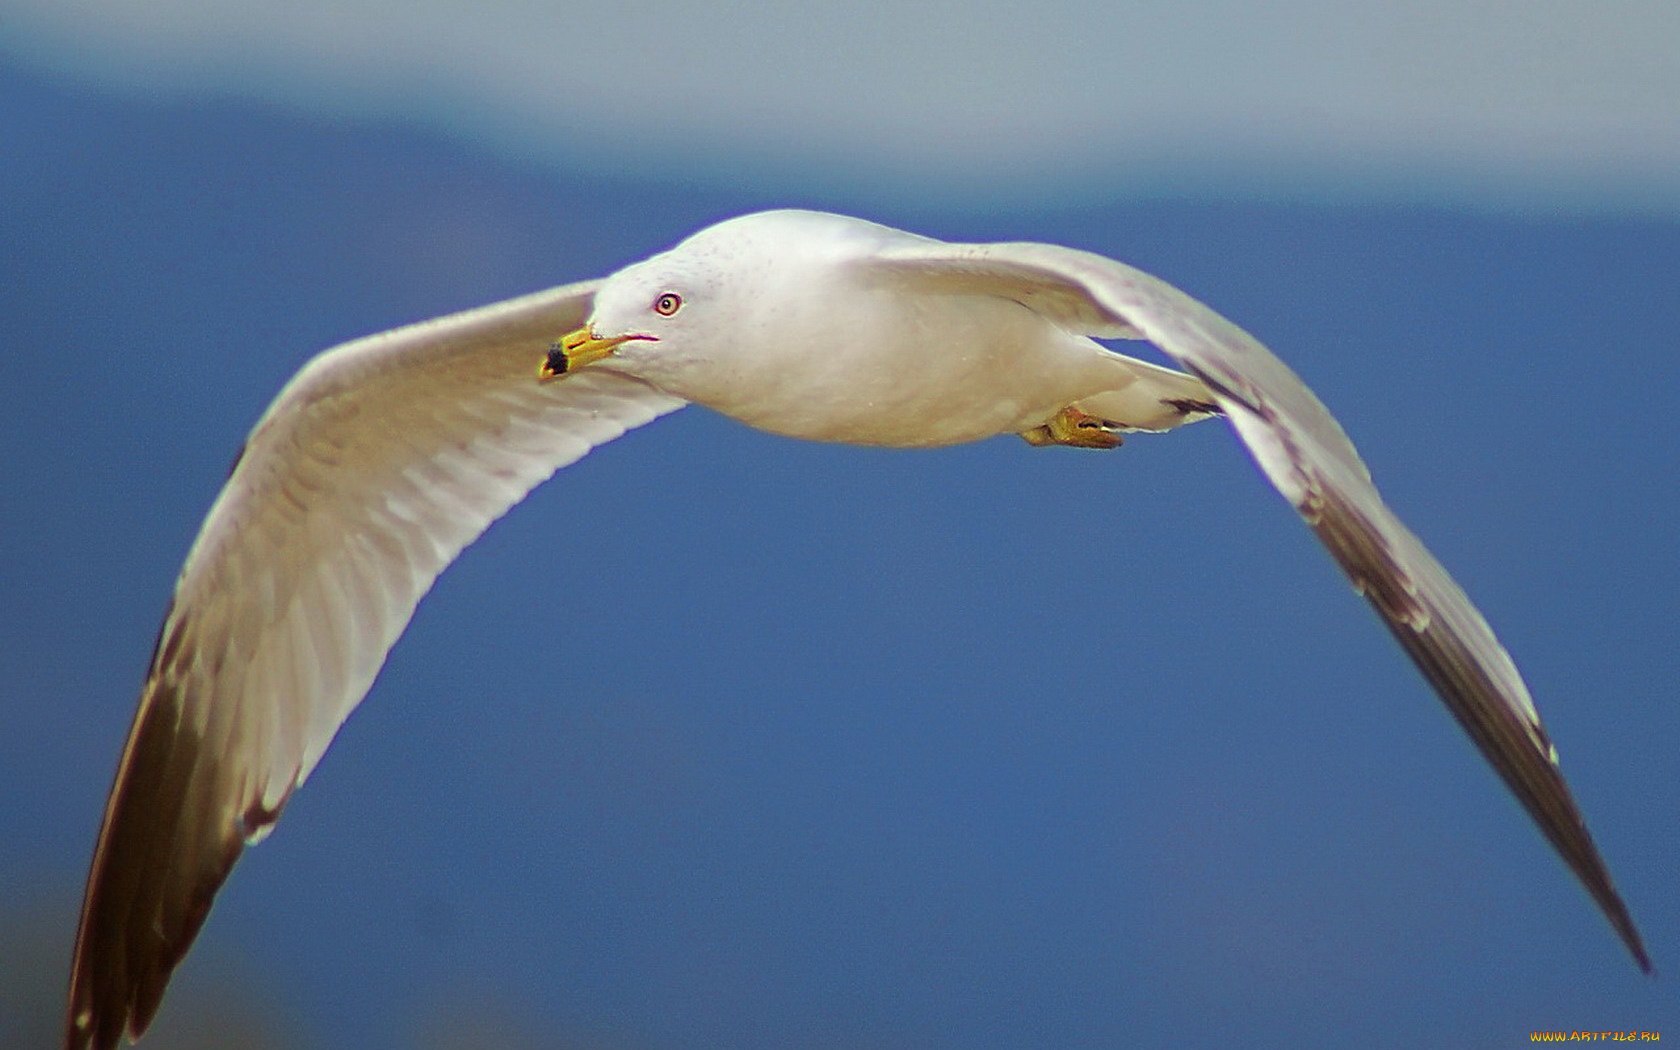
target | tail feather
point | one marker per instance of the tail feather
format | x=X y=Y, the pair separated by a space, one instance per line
x=1155 y=399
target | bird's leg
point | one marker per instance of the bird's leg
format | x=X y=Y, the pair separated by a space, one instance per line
x=1078 y=429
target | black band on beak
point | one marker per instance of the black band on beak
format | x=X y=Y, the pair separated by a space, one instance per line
x=557 y=362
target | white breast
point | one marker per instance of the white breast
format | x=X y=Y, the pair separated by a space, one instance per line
x=875 y=365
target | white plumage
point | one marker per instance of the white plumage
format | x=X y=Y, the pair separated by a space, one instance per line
x=385 y=457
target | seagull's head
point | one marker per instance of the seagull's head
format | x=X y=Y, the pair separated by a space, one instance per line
x=659 y=318
x=634 y=310
x=719 y=310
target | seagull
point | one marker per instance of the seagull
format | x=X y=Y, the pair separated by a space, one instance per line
x=386 y=456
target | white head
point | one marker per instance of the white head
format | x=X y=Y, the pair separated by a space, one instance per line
x=694 y=320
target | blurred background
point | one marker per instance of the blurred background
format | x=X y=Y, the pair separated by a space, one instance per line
x=813 y=747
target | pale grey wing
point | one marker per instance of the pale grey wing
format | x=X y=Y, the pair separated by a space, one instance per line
x=373 y=468
x=1304 y=452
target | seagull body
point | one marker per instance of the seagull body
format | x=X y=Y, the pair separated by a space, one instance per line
x=901 y=368
x=383 y=458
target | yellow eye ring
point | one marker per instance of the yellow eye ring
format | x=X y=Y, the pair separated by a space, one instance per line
x=667 y=304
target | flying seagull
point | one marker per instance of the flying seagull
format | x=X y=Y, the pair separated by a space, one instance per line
x=385 y=457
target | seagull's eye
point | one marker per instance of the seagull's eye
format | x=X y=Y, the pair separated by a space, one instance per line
x=667 y=304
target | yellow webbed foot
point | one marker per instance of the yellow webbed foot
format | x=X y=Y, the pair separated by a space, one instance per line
x=1076 y=429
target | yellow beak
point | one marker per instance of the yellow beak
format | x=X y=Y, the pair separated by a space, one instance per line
x=576 y=349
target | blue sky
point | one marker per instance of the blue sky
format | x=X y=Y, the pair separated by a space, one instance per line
x=832 y=767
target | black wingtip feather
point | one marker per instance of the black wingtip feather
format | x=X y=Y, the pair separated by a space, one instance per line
x=156 y=870
x=1516 y=748
x=1536 y=782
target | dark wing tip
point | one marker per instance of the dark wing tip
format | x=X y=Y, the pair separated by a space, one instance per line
x=164 y=850
x=1531 y=776
x=1514 y=744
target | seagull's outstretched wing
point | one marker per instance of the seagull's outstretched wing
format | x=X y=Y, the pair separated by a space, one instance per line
x=371 y=471
x=1304 y=452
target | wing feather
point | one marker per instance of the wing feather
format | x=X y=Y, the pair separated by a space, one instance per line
x=1304 y=452
x=373 y=468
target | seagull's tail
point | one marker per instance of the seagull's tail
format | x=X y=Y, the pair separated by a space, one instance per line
x=1155 y=399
